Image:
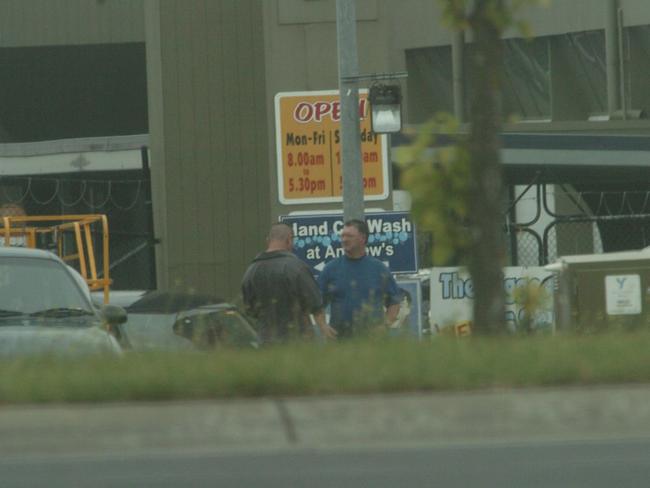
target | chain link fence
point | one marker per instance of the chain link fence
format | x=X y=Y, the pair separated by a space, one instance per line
x=567 y=222
x=124 y=200
x=525 y=246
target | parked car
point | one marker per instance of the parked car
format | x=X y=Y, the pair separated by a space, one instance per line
x=176 y=321
x=46 y=309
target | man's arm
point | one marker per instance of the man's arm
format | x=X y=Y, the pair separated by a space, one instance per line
x=247 y=294
x=312 y=301
x=393 y=300
x=327 y=331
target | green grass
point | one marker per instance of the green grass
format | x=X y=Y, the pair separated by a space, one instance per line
x=352 y=367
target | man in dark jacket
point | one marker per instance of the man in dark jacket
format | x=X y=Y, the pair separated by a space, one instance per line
x=280 y=291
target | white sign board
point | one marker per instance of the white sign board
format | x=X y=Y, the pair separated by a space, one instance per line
x=623 y=294
x=452 y=296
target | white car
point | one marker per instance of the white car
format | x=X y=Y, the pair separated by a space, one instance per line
x=177 y=321
x=45 y=310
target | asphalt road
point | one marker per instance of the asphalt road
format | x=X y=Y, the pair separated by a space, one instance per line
x=571 y=437
x=590 y=464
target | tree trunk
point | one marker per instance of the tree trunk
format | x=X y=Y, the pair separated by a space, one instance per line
x=487 y=249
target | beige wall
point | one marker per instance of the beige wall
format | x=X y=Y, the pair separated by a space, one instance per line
x=214 y=67
x=636 y=12
x=301 y=55
x=208 y=134
x=60 y=22
x=408 y=24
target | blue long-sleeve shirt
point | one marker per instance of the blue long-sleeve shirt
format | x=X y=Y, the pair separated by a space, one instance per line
x=357 y=291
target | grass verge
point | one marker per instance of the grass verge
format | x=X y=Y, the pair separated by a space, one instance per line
x=345 y=368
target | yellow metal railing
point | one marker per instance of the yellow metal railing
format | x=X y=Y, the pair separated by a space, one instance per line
x=28 y=231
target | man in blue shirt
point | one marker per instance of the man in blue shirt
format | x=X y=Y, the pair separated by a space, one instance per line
x=360 y=289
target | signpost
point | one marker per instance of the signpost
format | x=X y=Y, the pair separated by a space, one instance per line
x=308 y=138
x=391 y=240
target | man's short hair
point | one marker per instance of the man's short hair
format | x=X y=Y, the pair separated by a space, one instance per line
x=279 y=232
x=360 y=225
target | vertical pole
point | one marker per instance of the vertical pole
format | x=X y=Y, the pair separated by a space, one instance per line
x=148 y=208
x=611 y=56
x=458 y=73
x=620 y=32
x=346 y=33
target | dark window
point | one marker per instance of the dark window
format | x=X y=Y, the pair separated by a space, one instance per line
x=63 y=92
x=526 y=81
x=429 y=82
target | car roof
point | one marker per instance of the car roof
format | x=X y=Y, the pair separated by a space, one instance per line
x=171 y=302
x=27 y=252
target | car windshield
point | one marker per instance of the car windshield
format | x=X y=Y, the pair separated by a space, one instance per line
x=218 y=328
x=234 y=329
x=29 y=285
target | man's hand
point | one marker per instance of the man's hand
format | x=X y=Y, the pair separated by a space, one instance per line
x=325 y=329
x=391 y=314
x=328 y=332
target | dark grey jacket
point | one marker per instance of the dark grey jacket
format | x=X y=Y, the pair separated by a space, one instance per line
x=280 y=291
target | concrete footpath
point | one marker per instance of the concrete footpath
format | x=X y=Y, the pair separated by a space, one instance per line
x=558 y=414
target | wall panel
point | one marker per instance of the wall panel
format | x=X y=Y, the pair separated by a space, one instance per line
x=57 y=22
x=215 y=200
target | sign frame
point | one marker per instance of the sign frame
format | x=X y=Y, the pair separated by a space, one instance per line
x=280 y=164
x=410 y=260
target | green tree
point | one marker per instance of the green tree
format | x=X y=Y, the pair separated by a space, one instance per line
x=486 y=255
x=458 y=193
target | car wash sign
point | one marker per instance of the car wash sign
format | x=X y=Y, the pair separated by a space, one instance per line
x=308 y=144
x=317 y=239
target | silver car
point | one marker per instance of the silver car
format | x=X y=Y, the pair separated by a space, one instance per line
x=46 y=309
x=177 y=321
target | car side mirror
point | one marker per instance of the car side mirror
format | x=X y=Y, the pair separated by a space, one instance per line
x=113 y=314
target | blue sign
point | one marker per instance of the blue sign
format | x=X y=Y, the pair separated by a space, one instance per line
x=391 y=240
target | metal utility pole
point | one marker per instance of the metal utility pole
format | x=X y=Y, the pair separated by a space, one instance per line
x=611 y=55
x=346 y=35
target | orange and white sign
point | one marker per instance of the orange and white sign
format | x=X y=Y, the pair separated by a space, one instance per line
x=308 y=142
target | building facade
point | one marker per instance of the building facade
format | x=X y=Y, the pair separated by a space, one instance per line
x=196 y=80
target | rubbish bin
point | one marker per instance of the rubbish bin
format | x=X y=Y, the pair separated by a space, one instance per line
x=602 y=291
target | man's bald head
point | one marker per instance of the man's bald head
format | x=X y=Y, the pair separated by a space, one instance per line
x=280 y=237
